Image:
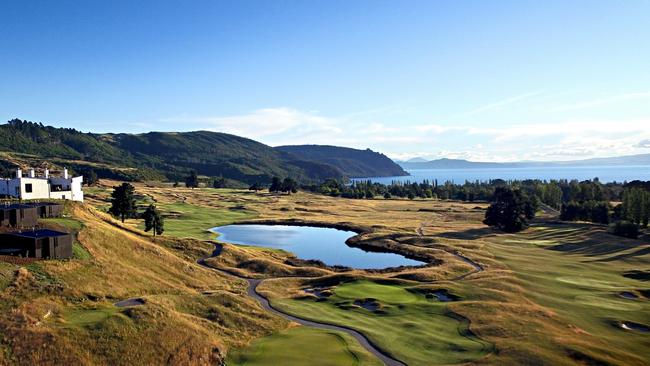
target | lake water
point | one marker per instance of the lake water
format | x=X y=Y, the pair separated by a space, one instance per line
x=604 y=173
x=307 y=242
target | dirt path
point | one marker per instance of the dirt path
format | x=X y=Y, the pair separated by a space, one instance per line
x=477 y=267
x=253 y=283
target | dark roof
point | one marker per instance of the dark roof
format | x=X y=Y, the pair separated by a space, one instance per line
x=10 y=250
x=27 y=205
x=42 y=233
x=14 y=206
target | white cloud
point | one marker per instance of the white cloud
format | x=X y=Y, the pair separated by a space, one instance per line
x=644 y=144
x=565 y=140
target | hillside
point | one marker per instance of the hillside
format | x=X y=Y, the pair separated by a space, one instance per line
x=158 y=155
x=63 y=312
x=352 y=162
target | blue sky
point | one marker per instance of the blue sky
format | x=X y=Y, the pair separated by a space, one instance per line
x=483 y=80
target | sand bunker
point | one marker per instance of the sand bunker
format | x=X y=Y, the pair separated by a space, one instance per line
x=319 y=292
x=368 y=304
x=137 y=301
x=628 y=295
x=635 y=327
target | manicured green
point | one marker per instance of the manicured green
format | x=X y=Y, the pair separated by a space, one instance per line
x=187 y=220
x=412 y=328
x=303 y=346
x=81 y=317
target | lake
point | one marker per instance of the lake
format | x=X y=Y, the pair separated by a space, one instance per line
x=604 y=173
x=307 y=242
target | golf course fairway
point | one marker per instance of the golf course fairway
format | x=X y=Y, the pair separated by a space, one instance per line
x=405 y=324
x=303 y=346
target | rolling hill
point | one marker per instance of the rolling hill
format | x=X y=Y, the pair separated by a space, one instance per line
x=351 y=162
x=172 y=155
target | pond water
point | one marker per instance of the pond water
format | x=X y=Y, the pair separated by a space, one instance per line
x=308 y=242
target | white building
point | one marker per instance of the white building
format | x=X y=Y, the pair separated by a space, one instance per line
x=45 y=187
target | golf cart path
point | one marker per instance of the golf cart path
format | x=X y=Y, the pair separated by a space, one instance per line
x=365 y=342
x=251 y=291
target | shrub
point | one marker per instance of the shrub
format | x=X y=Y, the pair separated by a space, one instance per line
x=625 y=228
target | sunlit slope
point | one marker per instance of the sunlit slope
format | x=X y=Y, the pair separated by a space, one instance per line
x=56 y=312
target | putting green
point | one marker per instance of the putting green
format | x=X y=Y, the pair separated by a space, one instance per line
x=383 y=293
x=87 y=317
x=408 y=326
x=303 y=346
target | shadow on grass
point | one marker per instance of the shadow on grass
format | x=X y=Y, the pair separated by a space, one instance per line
x=589 y=240
x=638 y=275
x=469 y=234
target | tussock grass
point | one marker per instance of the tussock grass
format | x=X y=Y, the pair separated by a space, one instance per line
x=548 y=295
x=64 y=308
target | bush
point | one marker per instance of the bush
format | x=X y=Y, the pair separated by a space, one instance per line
x=625 y=228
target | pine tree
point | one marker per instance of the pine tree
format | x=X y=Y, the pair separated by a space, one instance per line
x=153 y=220
x=123 y=201
x=192 y=181
x=510 y=210
x=276 y=185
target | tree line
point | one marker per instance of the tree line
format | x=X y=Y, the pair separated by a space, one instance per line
x=124 y=206
x=589 y=200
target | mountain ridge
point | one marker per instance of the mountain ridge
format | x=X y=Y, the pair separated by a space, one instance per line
x=446 y=163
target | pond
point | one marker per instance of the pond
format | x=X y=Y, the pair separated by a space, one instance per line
x=308 y=242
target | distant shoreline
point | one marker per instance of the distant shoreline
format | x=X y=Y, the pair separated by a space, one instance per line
x=605 y=173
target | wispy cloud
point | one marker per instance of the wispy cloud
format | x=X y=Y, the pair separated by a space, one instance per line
x=501 y=103
x=601 y=101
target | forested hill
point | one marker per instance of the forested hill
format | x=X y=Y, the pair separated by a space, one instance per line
x=352 y=162
x=170 y=155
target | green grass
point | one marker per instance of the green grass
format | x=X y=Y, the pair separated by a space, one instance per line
x=303 y=346
x=578 y=274
x=74 y=226
x=67 y=222
x=193 y=221
x=79 y=252
x=409 y=326
x=81 y=317
x=6 y=274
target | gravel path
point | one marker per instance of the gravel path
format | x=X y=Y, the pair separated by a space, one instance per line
x=253 y=283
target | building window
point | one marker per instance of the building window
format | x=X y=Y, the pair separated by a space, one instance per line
x=28 y=188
